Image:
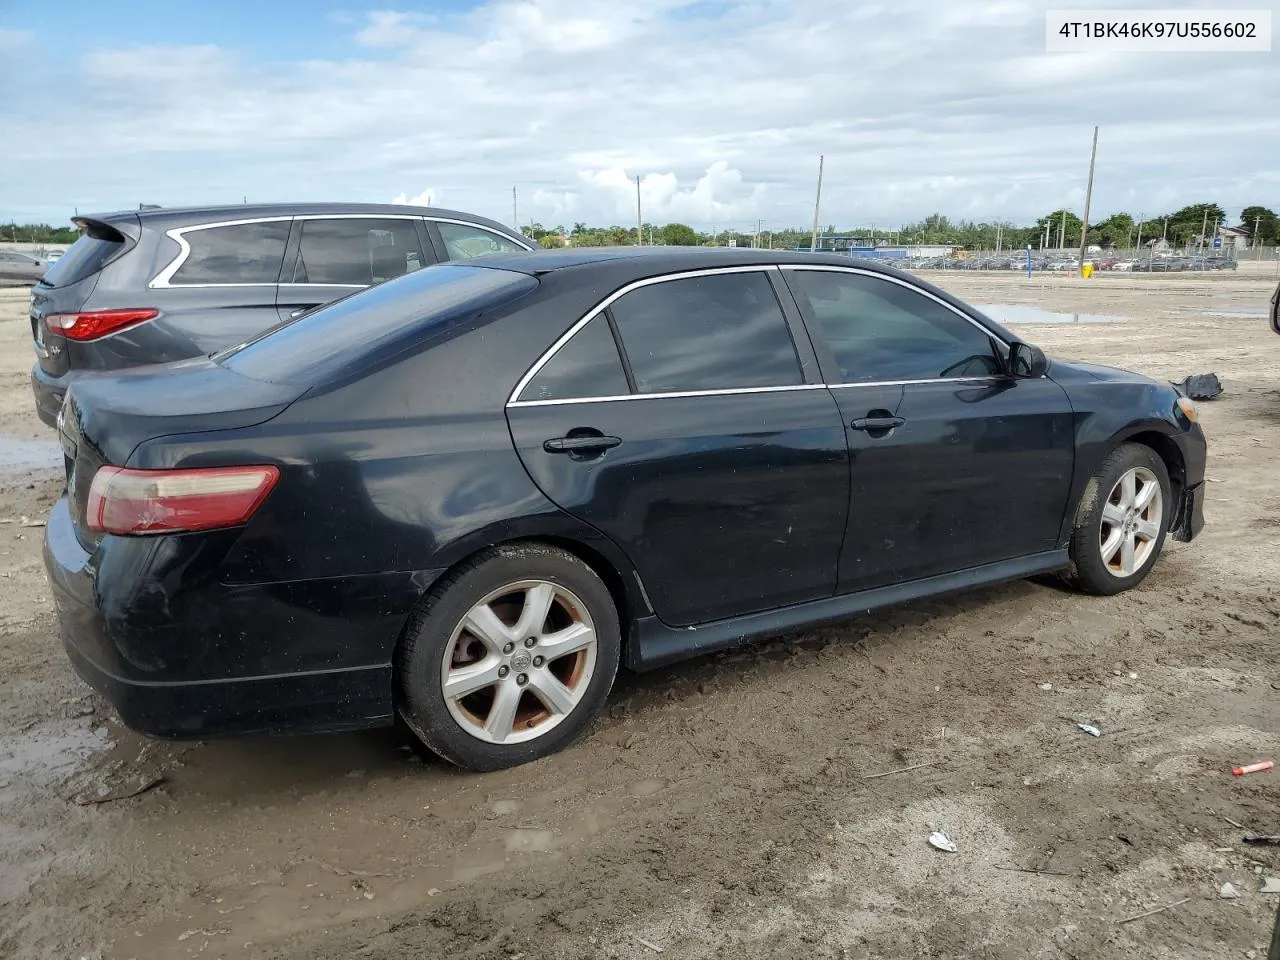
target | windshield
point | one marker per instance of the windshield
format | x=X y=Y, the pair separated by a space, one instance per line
x=347 y=334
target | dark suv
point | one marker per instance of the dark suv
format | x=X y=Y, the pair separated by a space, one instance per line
x=158 y=285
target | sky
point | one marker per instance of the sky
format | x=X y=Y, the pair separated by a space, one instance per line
x=721 y=107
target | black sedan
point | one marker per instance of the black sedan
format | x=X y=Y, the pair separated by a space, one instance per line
x=467 y=496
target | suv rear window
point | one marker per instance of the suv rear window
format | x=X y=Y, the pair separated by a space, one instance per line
x=347 y=333
x=236 y=253
x=85 y=257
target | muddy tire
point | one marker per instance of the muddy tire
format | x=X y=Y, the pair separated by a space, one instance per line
x=509 y=657
x=1121 y=522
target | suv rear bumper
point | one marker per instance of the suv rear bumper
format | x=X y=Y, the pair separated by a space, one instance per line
x=49 y=392
x=168 y=677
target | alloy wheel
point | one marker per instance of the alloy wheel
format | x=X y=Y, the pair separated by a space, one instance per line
x=519 y=662
x=1131 y=521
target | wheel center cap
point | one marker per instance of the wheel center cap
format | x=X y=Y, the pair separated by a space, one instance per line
x=521 y=661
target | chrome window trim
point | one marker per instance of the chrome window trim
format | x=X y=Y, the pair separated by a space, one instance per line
x=907 y=383
x=723 y=392
x=353 y=286
x=902 y=282
x=595 y=311
x=479 y=226
x=161 y=280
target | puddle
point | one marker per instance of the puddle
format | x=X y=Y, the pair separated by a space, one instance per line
x=1024 y=313
x=16 y=455
x=1250 y=314
x=43 y=758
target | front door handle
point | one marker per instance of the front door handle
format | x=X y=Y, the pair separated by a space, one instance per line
x=877 y=423
x=581 y=444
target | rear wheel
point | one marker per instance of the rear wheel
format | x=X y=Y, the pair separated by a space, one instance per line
x=1122 y=521
x=510 y=657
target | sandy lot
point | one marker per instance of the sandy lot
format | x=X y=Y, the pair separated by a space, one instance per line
x=721 y=808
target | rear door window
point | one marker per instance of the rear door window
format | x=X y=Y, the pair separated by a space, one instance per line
x=722 y=331
x=356 y=251
x=462 y=242
x=234 y=254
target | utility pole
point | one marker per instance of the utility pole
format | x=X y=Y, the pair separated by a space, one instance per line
x=755 y=239
x=515 y=209
x=1062 y=231
x=1138 y=246
x=998 y=238
x=1256 y=239
x=813 y=239
x=639 y=221
x=1088 y=196
x=1204 y=225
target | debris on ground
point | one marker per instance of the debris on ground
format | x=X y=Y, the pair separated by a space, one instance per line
x=146 y=785
x=1270 y=885
x=1265 y=840
x=914 y=766
x=1152 y=913
x=1229 y=891
x=1090 y=729
x=1253 y=768
x=1200 y=386
x=652 y=946
x=940 y=841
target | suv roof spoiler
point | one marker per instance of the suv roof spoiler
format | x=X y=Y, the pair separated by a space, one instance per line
x=118 y=227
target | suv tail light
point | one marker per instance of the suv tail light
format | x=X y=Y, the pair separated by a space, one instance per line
x=124 y=501
x=93 y=324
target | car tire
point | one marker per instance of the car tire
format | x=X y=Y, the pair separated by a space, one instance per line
x=1121 y=521
x=543 y=680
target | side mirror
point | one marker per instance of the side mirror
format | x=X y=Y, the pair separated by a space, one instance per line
x=1275 y=305
x=1026 y=361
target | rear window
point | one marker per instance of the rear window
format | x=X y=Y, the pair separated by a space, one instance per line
x=83 y=258
x=236 y=253
x=347 y=333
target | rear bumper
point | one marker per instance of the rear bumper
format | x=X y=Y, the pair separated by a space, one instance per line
x=216 y=659
x=49 y=392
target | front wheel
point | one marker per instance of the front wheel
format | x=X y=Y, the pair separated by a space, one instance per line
x=510 y=658
x=1121 y=522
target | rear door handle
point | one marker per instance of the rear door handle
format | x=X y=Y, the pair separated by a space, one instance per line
x=590 y=444
x=877 y=423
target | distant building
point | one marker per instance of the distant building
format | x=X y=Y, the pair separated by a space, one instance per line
x=1159 y=245
x=1235 y=238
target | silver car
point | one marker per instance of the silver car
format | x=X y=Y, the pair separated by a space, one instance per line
x=21 y=267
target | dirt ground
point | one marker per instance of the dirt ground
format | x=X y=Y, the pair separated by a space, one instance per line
x=723 y=808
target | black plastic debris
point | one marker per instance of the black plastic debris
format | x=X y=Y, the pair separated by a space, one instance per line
x=1200 y=386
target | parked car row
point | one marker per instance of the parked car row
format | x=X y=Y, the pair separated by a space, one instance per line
x=19 y=267
x=466 y=496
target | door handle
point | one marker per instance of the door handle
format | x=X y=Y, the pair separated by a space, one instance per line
x=587 y=444
x=877 y=423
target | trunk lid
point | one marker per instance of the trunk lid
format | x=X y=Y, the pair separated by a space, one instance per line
x=107 y=415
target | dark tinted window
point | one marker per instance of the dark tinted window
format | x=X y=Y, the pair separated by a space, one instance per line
x=879 y=330
x=344 y=335
x=83 y=259
x=463 y=242
x=586 y=366
x=360 y=252
x=706 y=333
x=243 y=253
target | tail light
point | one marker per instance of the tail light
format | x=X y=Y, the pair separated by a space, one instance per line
x=127 y=501
x=93 y=324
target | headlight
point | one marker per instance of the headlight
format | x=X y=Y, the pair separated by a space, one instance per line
x=1188 y=408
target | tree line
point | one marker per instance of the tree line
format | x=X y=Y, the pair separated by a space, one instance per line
x=1180 y=228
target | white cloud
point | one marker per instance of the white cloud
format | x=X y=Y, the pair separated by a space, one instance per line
x=427 y=198
x=720 y=106
x=12 y=38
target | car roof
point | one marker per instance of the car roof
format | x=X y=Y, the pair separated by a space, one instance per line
x=172 y=216
x=645 y=261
